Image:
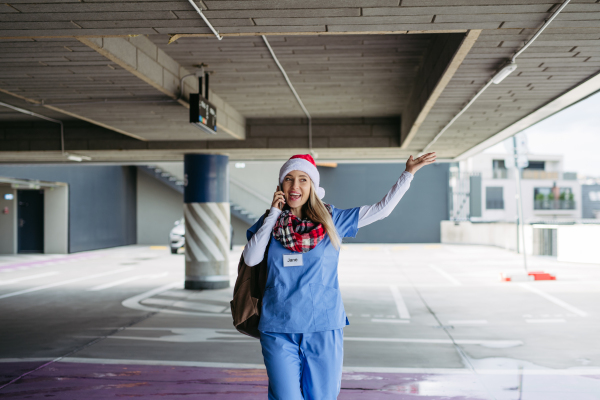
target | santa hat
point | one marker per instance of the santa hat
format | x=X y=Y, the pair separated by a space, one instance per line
x=306 y=164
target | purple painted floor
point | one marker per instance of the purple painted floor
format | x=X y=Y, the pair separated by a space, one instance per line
x=68 y=381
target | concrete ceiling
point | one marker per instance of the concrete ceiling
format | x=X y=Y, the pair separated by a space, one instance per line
x=380 y=77
x=335 y=76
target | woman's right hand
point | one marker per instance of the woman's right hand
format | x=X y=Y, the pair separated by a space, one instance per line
x=278 y=199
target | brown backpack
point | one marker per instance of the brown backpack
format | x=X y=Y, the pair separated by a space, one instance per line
x=248 y=294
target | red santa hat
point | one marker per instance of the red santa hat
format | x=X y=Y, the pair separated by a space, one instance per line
x=306 y=164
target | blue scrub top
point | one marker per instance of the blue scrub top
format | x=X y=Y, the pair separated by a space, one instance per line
x=304 y=299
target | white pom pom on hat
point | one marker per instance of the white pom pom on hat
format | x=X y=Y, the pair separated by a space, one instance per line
x=304 y=163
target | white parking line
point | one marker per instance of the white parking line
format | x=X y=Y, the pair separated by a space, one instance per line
x=190 y=305
x=554 y=300
x=545 y=321
x=26 y=278
x=122 y=281
x=391 y=321
x=494 y=344
x=468 y=322
x=445 y=275
x=51 y=285
x=400 y=305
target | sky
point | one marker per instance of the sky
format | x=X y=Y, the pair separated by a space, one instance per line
x=573 y=133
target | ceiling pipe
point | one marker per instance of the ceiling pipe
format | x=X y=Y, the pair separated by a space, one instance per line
x=287 y=79
x=499 y=76
x=72 y=157
x=199 y=11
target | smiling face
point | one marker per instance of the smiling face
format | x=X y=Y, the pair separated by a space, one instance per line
x=296 y=188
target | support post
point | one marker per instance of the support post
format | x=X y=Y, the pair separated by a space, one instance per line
x=207 y=221
x=520 y=220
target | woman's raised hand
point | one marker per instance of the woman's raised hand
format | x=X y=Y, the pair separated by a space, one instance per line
x=413 y=165
x=278 y=199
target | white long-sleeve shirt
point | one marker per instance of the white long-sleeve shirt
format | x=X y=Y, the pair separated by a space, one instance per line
x=254 y=251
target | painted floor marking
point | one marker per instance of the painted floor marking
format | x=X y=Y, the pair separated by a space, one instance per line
x=391 y=321
x=190 y=305
x=37 y=262
x=51 y=285
x=545 y=321
x=26 y=278
x=445 y=275
x=399 y=370
x=494 y=344
x=400 y=305
x=197 y=335
x=126 y=280
x=135 y=302
x=467 y=322
x=554 y=300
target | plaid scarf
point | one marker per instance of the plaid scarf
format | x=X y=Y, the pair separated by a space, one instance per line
x=299 y=235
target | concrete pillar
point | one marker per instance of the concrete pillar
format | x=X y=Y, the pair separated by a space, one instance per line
x=207 y=226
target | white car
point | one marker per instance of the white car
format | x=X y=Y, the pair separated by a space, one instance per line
x=177 y=236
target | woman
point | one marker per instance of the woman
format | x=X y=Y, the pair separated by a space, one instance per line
x=302 y=316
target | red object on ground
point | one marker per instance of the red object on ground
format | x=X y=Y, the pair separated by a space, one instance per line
x=542 y=276
x=529 y=276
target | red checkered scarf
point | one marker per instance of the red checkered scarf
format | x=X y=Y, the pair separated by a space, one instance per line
x=299 y=235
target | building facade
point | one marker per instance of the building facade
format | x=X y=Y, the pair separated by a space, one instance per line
x=549 y=193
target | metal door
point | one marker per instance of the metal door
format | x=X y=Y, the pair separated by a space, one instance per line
x=30 y=221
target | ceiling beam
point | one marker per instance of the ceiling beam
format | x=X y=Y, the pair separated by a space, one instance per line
x=440 y=66
x=142 y=58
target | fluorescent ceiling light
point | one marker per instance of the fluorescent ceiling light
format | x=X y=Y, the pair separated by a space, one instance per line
x=504 y=72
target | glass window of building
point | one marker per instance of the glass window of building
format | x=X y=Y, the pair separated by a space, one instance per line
x=494 y=198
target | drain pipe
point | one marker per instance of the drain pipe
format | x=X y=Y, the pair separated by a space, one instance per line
x=71 y=157
x=199 y=11
x=499 y=76
x=310 y=148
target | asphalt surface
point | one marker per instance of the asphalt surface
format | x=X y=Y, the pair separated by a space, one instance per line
x=429 y=321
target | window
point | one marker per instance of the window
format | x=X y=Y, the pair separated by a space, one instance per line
x=499 y=169
x=498 y=164
x=594 y=196
x=537 y=165
x=494 y=198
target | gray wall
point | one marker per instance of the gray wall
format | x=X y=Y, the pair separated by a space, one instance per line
x=8 y=222
x=417 y=217
x=239 y=231
x=158 y=207
x=102 y=201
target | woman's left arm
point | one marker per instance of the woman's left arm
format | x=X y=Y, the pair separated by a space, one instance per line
x=369 y=214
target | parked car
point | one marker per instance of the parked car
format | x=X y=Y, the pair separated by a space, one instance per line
x=177 y=236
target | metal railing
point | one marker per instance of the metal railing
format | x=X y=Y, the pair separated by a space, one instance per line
x=554 y=204
x=500 y=173
x=253 y=202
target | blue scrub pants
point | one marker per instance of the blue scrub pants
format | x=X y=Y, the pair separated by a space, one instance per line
x=304 y=365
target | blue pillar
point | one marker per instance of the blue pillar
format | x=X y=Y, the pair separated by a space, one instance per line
x=207 y=221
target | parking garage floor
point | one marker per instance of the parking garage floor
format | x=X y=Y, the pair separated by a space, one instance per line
x=426 y=321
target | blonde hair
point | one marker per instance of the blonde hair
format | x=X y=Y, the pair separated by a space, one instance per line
x=315 y=210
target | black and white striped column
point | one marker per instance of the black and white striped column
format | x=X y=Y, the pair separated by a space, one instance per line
x=207 y=221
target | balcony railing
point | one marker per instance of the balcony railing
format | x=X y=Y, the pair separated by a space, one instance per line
x=554 y=205
x=500 y=173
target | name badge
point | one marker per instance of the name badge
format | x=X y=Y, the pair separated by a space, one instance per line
x=292 y=260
